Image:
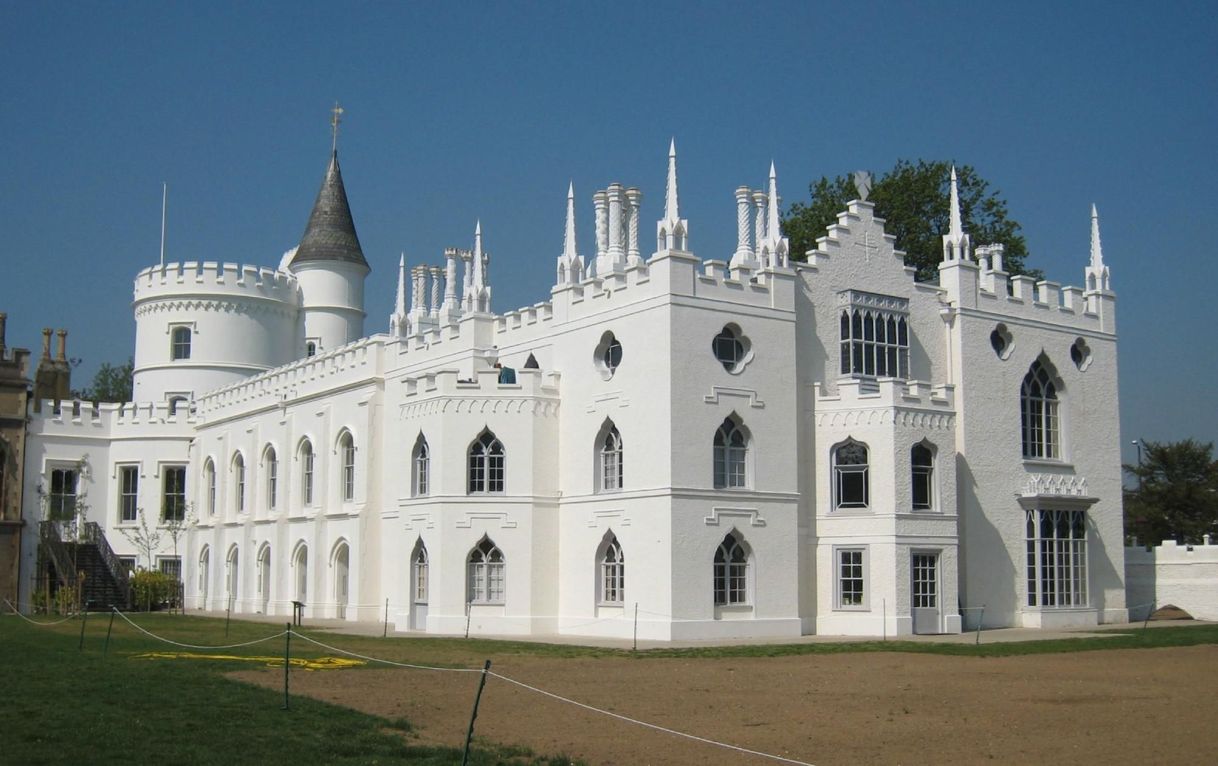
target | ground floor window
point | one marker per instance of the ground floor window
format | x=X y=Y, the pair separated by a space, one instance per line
x=486 y=565
x=851 y=578
x=1057 y=558
x=170 y=565
x=731 y=572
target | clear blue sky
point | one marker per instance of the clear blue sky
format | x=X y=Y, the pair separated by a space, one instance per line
x=487 y=110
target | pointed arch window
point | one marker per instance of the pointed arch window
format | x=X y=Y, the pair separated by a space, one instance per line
x=270 y=464
x=306 y=472
x=419 y=562
x=346 y=448
x=613 y=573
x=239 y=483
x=1039 y=414
x=731 y=572
x=922 y=474
x=851 y=483
x=422 y=467
x=731 y=449
x=209 y=481
x=486 y=464
x=611 y=460
x=486 y=574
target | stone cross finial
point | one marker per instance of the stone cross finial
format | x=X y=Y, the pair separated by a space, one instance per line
x=862 y=184
x=336 y=115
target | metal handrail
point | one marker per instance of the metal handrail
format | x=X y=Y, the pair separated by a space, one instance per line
x=95 y=535
x=65 y=570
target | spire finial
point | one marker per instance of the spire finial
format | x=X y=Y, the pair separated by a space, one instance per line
x=1097 y=251
x=568 y=237
x=955 y=228
x=399 y=304
x=671 y=208
x=336 y=115
x=773 y=229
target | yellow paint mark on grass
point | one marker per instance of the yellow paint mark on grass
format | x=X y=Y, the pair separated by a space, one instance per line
x=316 y=663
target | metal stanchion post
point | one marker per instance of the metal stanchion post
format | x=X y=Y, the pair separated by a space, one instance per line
x=469 y=735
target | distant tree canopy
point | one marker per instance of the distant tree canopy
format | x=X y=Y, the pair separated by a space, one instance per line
x=1176 y=497
x=913 y=199
x=112 y=383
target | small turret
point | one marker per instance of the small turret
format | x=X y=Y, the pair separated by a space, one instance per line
x=1097 y=278
x=477 y=297
x=329 y=264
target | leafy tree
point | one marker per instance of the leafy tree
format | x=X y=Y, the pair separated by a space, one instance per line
x=112 y=383
x=913 y=199
x=1177 y=493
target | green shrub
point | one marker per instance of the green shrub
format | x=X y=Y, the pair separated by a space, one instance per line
x=151 y=589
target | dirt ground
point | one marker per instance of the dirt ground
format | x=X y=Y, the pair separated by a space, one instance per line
x=1111 y=707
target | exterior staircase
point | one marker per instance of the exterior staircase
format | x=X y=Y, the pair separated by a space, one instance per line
x=105 y=580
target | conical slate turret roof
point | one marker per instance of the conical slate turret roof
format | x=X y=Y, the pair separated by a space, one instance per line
x=330 y=234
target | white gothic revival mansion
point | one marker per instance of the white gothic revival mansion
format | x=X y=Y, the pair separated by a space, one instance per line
x=707 y=449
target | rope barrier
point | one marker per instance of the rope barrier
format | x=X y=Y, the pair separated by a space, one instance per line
x=150 y=634
x=40 y=623
x=368 y=658
x=656 y=727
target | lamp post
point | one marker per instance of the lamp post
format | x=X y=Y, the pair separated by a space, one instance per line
x=1138 y=443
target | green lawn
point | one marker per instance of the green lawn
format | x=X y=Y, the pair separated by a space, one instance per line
x=64 y=704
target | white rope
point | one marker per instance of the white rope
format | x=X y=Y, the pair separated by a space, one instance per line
x=150 y=634
x=648 y=725
x=368 y=658
x=38 y=623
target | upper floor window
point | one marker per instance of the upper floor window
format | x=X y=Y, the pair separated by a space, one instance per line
x=486 y=464
x=61 y=501
x=1038 y=414
x=209 y=479
x=180 y=342
x=270 y=464
x=346 y=448
x=612 y=571
x=731 y=455
x=611 y=459
x=306 y=472
x=422 y=466
x=486 y=570
x=173 y=495
x=850 y=481
x=732 y=348
x=311 y=348
x=239 y=482
x=608 y=355
x=128 y=498
x=731 y=572
x=921 y=469
x=874 y=334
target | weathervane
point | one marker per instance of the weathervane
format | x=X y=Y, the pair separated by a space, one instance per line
x=335 y=118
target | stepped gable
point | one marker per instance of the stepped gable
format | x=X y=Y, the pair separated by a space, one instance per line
x=330 y=234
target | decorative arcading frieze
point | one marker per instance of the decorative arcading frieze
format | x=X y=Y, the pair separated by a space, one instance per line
x=880 y=416
x=1054 y=484
x=451 y=405
x=864 y=300
x=254 y=307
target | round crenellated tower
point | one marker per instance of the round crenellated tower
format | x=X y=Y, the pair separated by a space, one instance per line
x=201 y=326
x=330 y=267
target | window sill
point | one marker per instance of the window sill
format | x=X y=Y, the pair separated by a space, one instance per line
x=852 y=608
x=1047 y=462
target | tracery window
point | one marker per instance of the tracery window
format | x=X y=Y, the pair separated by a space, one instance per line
x=731 y=348
x=420 y=573
x=1038 y=413
x=731 y=572
x=851 y=485
x=731 y=448
x=239 y=482
x=486 y=574
x=422 y=466
x=1056 y=558
x=486 y=464
x=613 y=573
x=922 y=471
x=306 y=472
x=611 y=460
x=874 y=335
x=270 y=463
x=346 y=448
